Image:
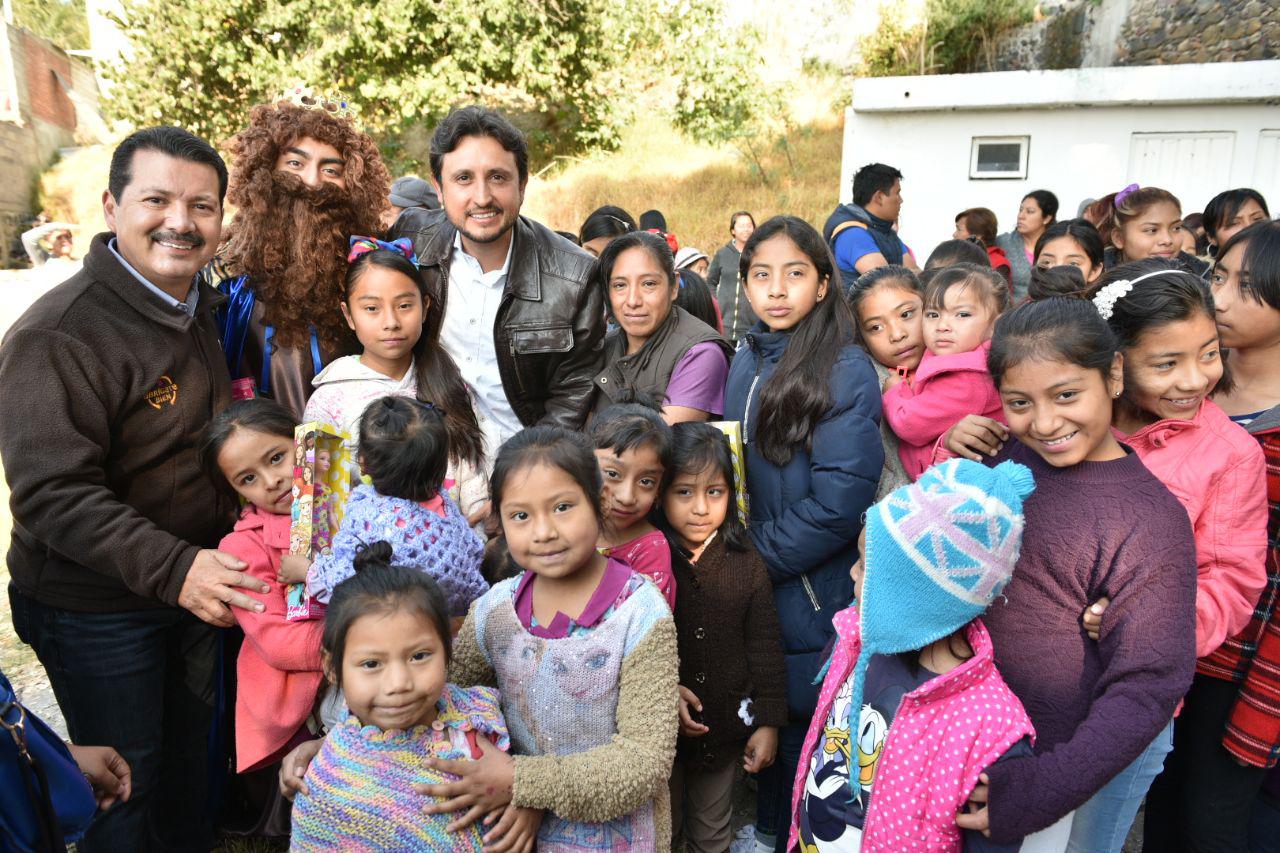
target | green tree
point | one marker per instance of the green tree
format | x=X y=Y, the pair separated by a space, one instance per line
x=721 y=96
x=62 y=22
x=557 y=66
x=952 y=37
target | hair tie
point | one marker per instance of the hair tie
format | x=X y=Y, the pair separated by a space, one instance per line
x=1105 y=299
x=1125 y=193
x=365 y=245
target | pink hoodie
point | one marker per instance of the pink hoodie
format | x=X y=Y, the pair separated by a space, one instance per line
x=921 y=784
x=1217 y=471
x=944 y=389
x=279 y=666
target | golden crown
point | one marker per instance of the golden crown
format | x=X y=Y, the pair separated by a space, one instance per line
x=334 y=104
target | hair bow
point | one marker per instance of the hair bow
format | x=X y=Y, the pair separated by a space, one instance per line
x=365 y=245
x=1124 y=193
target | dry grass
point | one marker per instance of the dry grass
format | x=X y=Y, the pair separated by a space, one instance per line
x=696 y=186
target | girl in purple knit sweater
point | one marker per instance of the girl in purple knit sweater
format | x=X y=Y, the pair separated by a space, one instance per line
x=404 y=449
x=1098 y=525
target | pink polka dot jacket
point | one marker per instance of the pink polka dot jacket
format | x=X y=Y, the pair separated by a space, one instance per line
x=943 y=736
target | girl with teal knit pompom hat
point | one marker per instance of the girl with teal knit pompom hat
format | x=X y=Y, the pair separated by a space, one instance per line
x=912 y=707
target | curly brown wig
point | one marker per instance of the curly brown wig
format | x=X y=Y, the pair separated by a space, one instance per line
x=291 y=239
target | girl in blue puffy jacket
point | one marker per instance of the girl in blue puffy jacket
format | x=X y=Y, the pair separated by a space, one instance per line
x=809 y=403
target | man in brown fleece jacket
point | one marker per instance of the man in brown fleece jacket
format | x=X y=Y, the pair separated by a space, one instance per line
x=105 y=384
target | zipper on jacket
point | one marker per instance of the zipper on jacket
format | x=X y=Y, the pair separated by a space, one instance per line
x=751 y=392
x=808 y=590
x=511 y=345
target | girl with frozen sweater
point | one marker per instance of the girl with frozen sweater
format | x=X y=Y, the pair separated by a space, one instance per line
x=583 y=651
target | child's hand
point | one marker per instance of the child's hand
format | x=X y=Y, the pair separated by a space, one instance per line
x=976 y=817
x=976 y=436
x=294 y=767
x=689 y=727
x=293 y=568
x=762 y=746
x=483 y=785
x=892 y=380
x=1093 y=617
x=107 y=771
x=516 y=832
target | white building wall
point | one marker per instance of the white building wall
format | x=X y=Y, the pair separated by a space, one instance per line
x=1077 y=151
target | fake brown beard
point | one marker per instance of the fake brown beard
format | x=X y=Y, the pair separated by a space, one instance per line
x=291 y=240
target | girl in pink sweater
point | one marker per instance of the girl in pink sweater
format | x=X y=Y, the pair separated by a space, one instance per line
x=248 y=449
x=961 y=304
x=1164 y=319
x=633 y=444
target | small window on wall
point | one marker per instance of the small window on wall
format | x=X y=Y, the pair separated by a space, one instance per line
x=999 y=157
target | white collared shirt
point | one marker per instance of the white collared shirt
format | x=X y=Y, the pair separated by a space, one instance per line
x=470 y=317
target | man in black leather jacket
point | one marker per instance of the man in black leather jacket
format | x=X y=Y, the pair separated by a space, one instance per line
x=522 y=317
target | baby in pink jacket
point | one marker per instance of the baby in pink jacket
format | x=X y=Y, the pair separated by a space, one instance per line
x=961 y=304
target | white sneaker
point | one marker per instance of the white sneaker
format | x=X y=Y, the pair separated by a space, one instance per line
x=744 y=841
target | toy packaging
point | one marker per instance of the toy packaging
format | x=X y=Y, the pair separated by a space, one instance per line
x=321 y=486
x=733 y=431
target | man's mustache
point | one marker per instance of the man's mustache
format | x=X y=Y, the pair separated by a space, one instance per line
x=193 y=240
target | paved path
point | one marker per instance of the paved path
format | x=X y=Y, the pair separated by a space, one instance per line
x=18 y=289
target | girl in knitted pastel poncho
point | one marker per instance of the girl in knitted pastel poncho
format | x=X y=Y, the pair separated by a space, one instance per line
x=404 y=449
x=386 y=645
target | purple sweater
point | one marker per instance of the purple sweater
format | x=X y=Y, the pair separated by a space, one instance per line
x=1094 y=529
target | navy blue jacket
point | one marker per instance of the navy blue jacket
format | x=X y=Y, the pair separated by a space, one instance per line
x=806 y=516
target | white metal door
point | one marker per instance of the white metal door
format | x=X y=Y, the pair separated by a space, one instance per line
x=1193 y=166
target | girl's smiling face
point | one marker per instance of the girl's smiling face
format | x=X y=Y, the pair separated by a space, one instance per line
x=550 y=525
x=1173 y=367
x=393 y=669
x=782 y=284
x=259 y=466
x=892 y=326
x=1244 y=321
x=1154 y=233
x=1062 y=410
x=630 y=483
